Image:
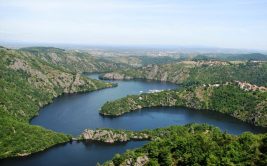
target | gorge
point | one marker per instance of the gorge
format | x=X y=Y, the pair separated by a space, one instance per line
x=73 y=113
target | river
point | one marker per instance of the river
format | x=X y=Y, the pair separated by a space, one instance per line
x=73 y=113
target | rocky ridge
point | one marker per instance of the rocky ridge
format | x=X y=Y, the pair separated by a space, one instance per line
x=191 y=72
x=72 y=60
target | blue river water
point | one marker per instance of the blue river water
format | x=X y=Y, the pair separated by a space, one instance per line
x=73 y=113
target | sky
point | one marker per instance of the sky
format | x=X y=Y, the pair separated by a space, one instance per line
x=191 y=23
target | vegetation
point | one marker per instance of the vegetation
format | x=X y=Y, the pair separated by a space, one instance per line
x=72 y=61
x=32 y=77
x=246 y=57
x=249 y=106
x=147 y=60
x=27 y=83
x=251 y=72
x=197 y=145
x=201 y=72
x=232 y=57
x=19 y=138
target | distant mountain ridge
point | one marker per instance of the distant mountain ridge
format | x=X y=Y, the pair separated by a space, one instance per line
x=252 y=56
x=232 y=57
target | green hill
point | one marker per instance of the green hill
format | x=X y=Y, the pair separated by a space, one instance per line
x=71 y=60
x=198 y=72
x=27 y=82
x=196 y=145
x=248 y=106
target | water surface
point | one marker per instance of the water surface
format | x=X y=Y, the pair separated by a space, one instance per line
x=73 y=113
x=73 y=154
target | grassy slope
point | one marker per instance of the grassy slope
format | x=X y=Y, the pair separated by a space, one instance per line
x=229 y=99
x=23 y=91
x=197 y=145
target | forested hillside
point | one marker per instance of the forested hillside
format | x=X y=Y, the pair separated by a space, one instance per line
x=248 y=106
x=232 y=57
x=198 y=72
x=27 y=82
x=32 y=77
x=196 y=145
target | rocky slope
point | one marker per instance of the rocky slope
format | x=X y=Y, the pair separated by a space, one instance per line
x=115 y=76
x=111 y=135
x=71 y=60
x=229 y=98
x=27 y=82
x=197 y=72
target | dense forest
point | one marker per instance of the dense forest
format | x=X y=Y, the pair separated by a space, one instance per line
x=196 y=145
x=231 y=57
x=249 y=106
x=26 y=84
x=18 y=138
x=32 y=77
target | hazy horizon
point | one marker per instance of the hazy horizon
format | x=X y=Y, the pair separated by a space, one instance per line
x=239 y=24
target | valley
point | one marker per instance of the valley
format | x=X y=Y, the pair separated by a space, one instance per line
x=45 y=102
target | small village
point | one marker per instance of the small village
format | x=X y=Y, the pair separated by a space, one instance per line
x=243 y=85
x=250 y=87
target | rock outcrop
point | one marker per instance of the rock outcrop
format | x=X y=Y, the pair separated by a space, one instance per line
x=115 y=76
x=51 y=78
x=140 y=161
x=111 y=136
